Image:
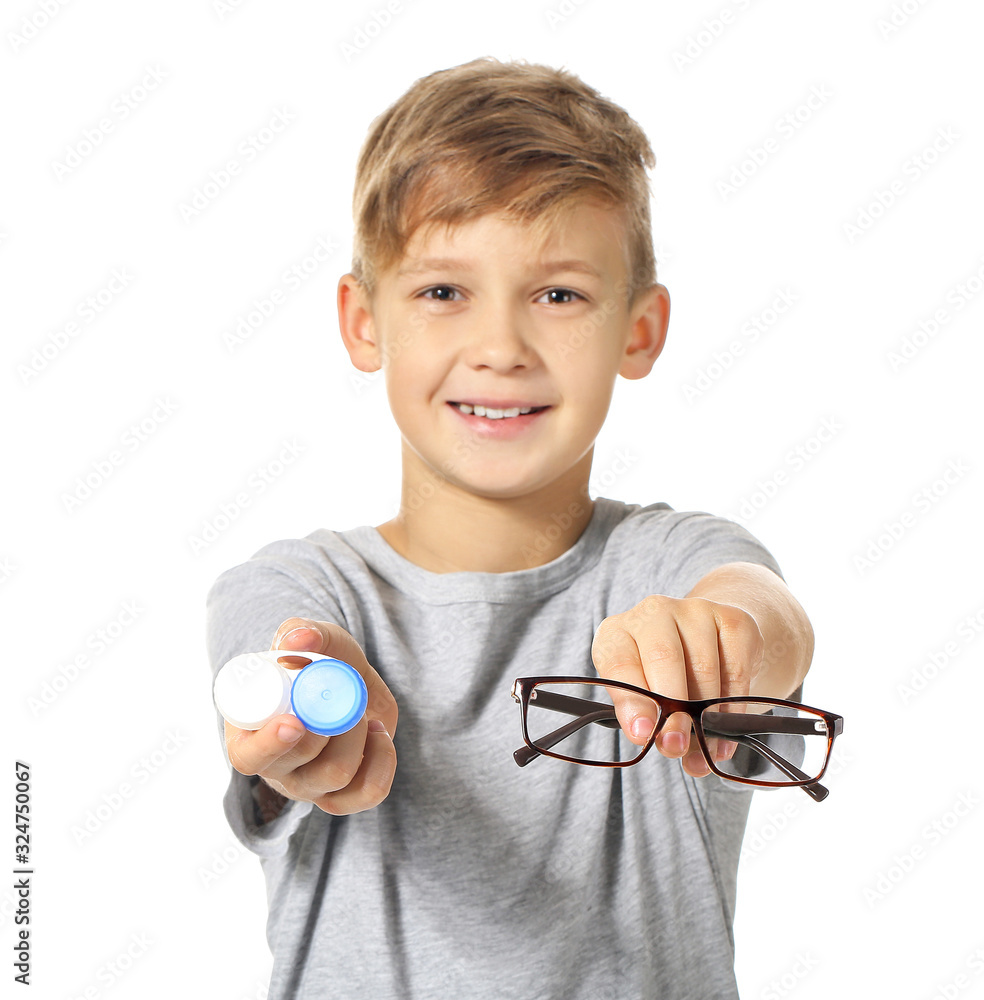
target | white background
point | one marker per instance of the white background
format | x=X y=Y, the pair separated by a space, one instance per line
x=859 y=467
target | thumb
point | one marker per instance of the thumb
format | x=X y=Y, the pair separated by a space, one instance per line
x=330 y=639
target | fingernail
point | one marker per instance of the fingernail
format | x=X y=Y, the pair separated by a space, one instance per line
x=674 y=742
x=289 y=734
x=376 y=726
x=642 y=728
x=294 y=631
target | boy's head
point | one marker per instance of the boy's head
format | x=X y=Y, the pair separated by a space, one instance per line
x=524 y=140
x=502 y=258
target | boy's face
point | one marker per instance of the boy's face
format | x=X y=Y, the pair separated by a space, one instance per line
x=476 y=315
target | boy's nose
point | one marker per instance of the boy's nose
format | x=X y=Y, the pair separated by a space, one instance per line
x=500 y=339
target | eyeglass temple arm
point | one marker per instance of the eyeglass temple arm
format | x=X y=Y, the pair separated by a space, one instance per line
x=589 y=711
x=814 y=789
x=602 y=716
x=741 y=727
x=725 y=723
x=714 y=723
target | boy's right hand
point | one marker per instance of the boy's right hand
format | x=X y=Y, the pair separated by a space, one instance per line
x=339 y=774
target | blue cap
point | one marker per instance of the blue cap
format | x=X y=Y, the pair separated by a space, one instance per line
x=329 y=696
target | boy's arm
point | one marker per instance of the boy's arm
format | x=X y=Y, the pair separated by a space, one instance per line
x=738 y=630
x=243 y=609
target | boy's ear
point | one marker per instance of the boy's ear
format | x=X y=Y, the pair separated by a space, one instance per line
x=356 y=324
x=648 y=321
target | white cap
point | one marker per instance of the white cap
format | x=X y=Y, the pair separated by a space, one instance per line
x=253 y=688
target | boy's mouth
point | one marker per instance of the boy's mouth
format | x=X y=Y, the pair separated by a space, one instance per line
x=491 y=413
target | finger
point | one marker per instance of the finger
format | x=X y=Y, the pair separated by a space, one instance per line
x=253 y=752
x=331 y=639
x=699 y=636
x=741 y=649
x=302 y=752
x=371 y=782
x=740 y=652
x=332 y=769
x=665 y=665
x=616 y=656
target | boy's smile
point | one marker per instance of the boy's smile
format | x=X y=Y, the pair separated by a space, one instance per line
x=473 y=327
x=499 y=419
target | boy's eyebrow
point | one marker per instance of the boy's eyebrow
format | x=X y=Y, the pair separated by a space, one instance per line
x=450 y=264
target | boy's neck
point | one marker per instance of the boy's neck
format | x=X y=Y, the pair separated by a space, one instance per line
x=455 y=531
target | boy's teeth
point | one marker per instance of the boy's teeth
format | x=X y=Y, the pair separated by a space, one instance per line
x=483 y=411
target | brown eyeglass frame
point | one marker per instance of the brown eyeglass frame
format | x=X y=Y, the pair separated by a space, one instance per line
x=731 y=726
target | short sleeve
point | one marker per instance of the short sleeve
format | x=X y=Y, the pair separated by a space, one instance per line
x=244 y=608
x=696 y=543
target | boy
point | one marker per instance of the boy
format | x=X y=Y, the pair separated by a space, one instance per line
x=503 y=263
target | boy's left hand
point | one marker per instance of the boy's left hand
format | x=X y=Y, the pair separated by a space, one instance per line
x=685 y=648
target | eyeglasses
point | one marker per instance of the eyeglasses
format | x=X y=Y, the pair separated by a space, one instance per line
x=757 y=741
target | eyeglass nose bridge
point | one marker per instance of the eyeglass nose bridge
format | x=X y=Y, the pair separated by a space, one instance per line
x=669 y=707
x=666 y=707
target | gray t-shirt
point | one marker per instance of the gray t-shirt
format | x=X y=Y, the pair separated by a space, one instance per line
x=475 y=878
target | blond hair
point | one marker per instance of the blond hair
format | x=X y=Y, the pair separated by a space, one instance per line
x=523 y=139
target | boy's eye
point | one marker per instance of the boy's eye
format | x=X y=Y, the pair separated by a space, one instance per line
x=446 y=293
x=561 y=296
